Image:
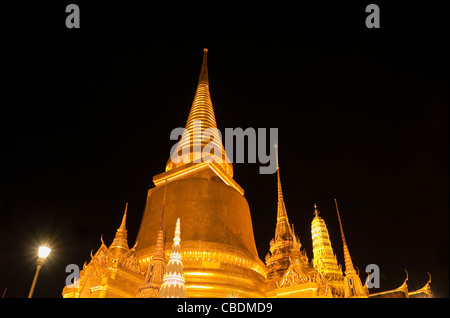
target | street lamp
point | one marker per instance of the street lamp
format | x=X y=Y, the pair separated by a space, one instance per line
x=43 y=252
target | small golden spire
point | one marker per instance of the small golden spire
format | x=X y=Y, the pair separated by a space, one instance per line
x=280 y=191
x=124 y=218
x=316 y=211
x=204 y=70
x=283 y=229
x=349 y=269
x=120 y=242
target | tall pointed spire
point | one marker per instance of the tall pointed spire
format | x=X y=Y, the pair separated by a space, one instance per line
x=277 y=260
x=349 y=269
x=203 y=79
x=201 y=130
x=353 y=286
x=173 y=282
x=155 y=271
x=283 y=229
x=280 y=190
x=120 y=242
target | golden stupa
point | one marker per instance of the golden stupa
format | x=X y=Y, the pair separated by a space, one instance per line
x=214 y=254
x=219 y=253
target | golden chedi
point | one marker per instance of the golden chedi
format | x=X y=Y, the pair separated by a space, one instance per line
x=325 y=261
x=218 y=251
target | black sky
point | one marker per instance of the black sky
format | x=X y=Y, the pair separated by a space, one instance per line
x=362 y=116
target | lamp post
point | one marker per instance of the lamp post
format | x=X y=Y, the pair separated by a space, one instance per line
x=43 y=252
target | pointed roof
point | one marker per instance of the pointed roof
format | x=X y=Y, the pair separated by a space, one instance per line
x=283 y=229
x=296 y=272
x=155 y=272
x=173 y=281
x=120 y=242
x=201 y=117
x=159 y=247
x=349 y=269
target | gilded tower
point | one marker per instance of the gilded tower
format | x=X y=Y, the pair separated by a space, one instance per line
x=219 y=254
x=324 y=258
x=278 y=258
x=173 y=284
x=157 y=266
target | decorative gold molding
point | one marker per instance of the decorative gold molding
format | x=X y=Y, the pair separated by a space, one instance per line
x=214 y=256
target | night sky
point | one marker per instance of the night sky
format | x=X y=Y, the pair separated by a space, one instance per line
x=362 y=116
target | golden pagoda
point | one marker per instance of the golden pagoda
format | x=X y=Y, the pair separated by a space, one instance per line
x=155 y=270
x=218 y=256
x=289 y=272
x=277 y=260
x=173 y=284
x=324 y=258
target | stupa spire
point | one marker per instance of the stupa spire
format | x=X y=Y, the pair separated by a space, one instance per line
x=204 y=70
x=283 y=229
x=324 y=260
x=120 y=242
x=349 y=269
x=173 y=281
x=316 y=211
x=155 y=271
x=277 y=260
x=201 y=130
x=353 y=286
x=280 y=190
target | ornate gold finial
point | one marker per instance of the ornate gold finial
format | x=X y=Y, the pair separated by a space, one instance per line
x=316 y=211
x=204 y=70
x=120 y=240
x=124 y=218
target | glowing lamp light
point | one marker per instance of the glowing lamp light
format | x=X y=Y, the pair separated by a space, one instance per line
x=44 y=251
